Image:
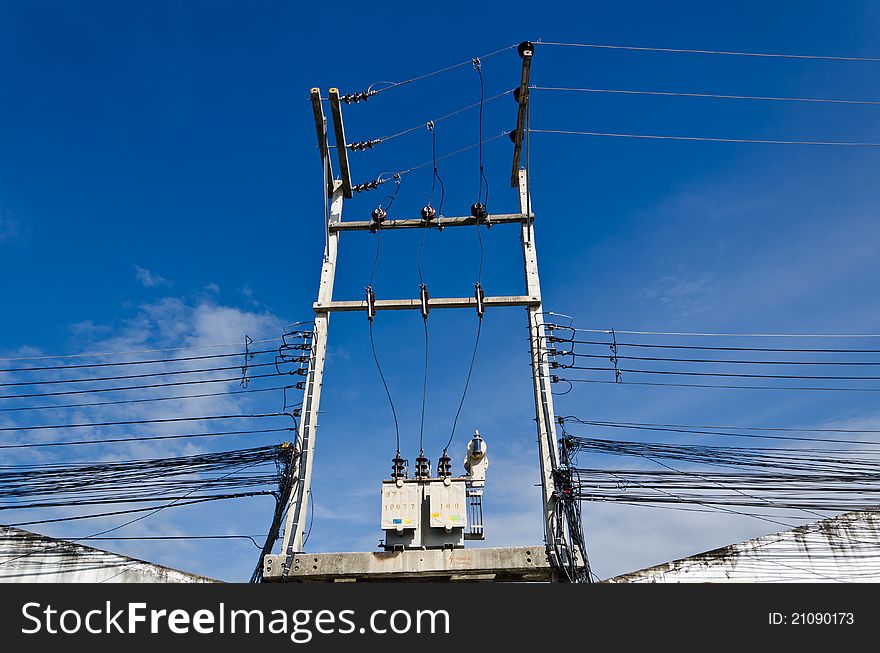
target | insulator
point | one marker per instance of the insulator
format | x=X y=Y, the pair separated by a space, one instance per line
x=517 y=93
x=423 y=466
x=428 y=213
x=360 y=146
x=479 y=210
x=444 y=466
x=423 y=300
x=378 y=215
x=398 y=467
x=371 y=303
x=350 y=98
x=554 y=378
x=525 y=46
x=366 y=186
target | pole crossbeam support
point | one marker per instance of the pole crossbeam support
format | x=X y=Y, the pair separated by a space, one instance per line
x=418 y=223
x=341 y=149
x=323 y=145
x=433 y=302
x=523 y=101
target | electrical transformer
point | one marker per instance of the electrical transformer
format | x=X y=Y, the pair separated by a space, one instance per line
x=435 y=513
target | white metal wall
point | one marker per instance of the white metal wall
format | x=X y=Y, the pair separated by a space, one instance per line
x=845 y=548
x=30 y=558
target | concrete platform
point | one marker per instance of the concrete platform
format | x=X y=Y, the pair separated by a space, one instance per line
x=505 y=564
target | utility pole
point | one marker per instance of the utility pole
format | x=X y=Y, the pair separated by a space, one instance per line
x=518 y=562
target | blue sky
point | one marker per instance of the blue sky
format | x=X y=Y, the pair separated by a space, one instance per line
x=159 y=185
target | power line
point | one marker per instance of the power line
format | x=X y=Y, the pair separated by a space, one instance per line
x=731 y=374
x=372 y=91
x=725 y=361
x=132 y=376
x=717 y=348
x=703 y=138
x=132 y=387
x=451 y=154
x=143 y=438
x=138 y=401
x=138 y=421
x=729 y=431
x=136 y=351
x=467 y=383
x=772 y=55
x=126 y=363
x=421 y=125
x=171 y=537
x=727 y=335
x=716 y=96
x=720 y=386
x=385 y=385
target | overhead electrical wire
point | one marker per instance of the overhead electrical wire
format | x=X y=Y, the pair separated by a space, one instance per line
x=733 y=53
x=722 y=386
x=719 y=348
x=130 y=376
x=385 y=385
x=466 y=148
x=134 y=387
x=168 y=538
x=708 y=139
x=126 y=363
x=729 y=374
x=409 y=130
x=714 y=96
x=727 y=361
x=131 y=352
x=726 y=335
x=139 y=421
x=467 y=383
x=139 y=401
x=143 y=438
x=373 y=91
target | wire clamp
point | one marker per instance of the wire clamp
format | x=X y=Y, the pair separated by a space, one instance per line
x=617 y=373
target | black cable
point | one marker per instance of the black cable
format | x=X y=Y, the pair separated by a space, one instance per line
x=730 y=374
x=137 y=421
x=672 y=428
x=125 y=363
x=466 y=384
x=173 y=537
x=34 y=445
x=385 y=385
x=130 y=376
x=218 y=497
x=424 y=390
x=139 y=401
x=479 y=68
x=725 y=361
x=722 y=386
x=713 y=348
x=132 y=387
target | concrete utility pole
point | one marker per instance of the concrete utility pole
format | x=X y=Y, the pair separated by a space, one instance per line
x=510 y=563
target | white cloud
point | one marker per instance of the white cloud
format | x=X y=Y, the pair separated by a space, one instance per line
x=149 y=279
x=167 y=323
